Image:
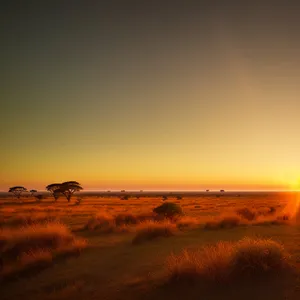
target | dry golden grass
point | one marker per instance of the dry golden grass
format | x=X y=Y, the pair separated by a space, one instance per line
x=105 y=222
x=187 y=222
x=102 y=222
x=35 y=246
x=226 y=262
x=111 y=263
x=247 y=213
x=150 y=230
x=25 y=220
x=225 y=221
x=280 y=219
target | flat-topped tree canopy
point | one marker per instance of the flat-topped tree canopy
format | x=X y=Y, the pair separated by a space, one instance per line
x=53 y=186
x=53 y=189
x=17 y=190
x=67 y=188
x=71 y=182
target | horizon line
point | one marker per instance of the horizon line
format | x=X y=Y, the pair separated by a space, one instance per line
x=169 y=190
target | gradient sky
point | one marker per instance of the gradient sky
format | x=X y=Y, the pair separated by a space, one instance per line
x=136 y=96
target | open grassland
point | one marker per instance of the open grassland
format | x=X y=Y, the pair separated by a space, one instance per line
x=125 y=251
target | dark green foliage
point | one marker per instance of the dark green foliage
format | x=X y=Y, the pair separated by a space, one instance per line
x=168 y=210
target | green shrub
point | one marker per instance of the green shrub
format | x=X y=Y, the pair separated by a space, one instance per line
x=168 y=210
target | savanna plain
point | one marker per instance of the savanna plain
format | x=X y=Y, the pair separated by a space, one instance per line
x=147 y=246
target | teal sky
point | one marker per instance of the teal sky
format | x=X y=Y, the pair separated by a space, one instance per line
x=151 y=97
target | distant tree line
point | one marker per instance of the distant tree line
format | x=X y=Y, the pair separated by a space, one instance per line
x=66 y=189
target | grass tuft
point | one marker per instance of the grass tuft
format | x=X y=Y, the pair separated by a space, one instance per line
x=35 y=246
x=150 y=230
x=227 y=262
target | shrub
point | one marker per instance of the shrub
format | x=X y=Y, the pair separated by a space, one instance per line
x=225 y=262
x=168 y=210
x=150 y=230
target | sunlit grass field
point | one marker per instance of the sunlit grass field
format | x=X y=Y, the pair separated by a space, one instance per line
x=108 y=248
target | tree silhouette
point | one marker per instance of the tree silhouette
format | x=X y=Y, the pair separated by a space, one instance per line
x=39 y=197
x=33 y=192
x=17 y=191
x=54 y=190
x=68 y=188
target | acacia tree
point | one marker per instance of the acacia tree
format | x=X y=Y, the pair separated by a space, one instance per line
x=53 y=189
x=33 y=192
x=17 y=191
x=68 y=188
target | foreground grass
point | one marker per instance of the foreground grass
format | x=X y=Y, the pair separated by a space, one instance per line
x=35 y=246
x=228 y=261
x=112 y=268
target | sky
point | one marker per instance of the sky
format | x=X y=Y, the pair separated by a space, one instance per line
x=151 y=95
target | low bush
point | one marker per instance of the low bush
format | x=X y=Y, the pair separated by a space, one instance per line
x=168 y=210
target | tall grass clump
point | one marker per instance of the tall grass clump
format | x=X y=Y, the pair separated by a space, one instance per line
x=151 y=230
x=102 y=222
x=224 y=262
x=36 y=245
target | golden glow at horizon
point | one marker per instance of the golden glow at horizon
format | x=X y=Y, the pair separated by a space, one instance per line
x=204 y=118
